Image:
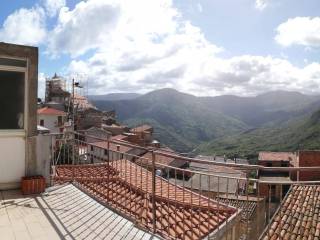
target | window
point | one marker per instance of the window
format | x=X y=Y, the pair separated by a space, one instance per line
x=91 y=148
x=42 y=122
x=106 y=152
x=59 y=120
x=12 y=100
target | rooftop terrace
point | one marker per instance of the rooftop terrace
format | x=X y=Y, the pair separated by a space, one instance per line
x=64 y=213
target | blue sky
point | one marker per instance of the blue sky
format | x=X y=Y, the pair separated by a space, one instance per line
x=204 y=47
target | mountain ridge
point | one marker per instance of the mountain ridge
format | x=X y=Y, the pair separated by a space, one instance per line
x=184 y=121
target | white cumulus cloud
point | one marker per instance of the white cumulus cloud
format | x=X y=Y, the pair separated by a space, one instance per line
x=299 y=31
x=87 y=26
x=53 y=6
x=139 y=49
x=157 y=48
x=24 y=26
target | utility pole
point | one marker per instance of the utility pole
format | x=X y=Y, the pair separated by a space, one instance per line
x=73 y=148
x=74 y=84
x=73 y=104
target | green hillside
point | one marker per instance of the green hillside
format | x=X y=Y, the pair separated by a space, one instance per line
x=180 y=120
x=223 y=124
x=293 y=135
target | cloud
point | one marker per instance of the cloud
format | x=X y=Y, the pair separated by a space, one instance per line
x=261 y=4
x=25 y=26
x=134 y=49
x=303 y=31
x=251 y=75
x=86 y=27
x=142 y=55
x=53 y=6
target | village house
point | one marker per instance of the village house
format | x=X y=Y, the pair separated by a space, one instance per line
x=308 y=159
x=144 y=134
x=286 y=159
x=94 y=134
x=52 y=119
x=275 y=159
x=102 y=151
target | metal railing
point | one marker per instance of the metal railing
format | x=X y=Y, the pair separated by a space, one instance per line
x=173 y=200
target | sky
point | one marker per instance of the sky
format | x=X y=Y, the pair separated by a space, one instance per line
x=202 y=47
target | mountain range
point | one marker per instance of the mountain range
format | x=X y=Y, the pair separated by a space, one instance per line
x=114 y=96
x=232 y=125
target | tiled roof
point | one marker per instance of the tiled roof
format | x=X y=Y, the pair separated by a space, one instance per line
x=298 y=217
x=119 y=137
x=277 y=156
x=126 y=187
x=97 y=133
x=142 y=128
x=112 y=146
x=215 y=168
x=50 y=111
x=248 y=207
x=160 y=159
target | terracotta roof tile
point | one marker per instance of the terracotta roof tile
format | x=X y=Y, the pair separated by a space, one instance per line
x=146 y=159
x=120 y=137
x=299 y=215
x=125 y=186
x=112 y=146
x=51 y=111
x=248 y=207
x=277 y=156
x=142 y=128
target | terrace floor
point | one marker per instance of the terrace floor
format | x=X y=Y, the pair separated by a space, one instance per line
x=63 y=213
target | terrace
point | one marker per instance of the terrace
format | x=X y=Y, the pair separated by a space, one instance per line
x=92 y=188
x=64 y=212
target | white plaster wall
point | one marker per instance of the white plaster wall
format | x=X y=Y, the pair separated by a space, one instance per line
x=44 y=143
x=12 y=161
x=50 y=121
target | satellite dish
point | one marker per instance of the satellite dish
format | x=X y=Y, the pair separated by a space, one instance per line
x=158 y=172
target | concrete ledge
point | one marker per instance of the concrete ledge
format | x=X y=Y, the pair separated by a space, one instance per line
x=10 y=186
